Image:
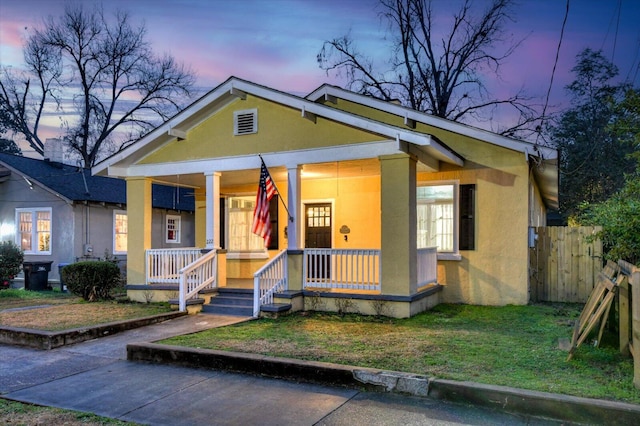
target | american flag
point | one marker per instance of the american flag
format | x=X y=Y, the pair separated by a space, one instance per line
x=261 y=217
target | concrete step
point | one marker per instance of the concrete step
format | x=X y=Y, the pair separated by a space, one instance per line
x=243 y=311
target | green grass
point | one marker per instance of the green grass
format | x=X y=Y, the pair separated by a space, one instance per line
x=16 y=413
x=26 y=294
x=511 y=346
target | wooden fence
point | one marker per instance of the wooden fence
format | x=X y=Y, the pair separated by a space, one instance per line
x=629 y=316
x=564 y=264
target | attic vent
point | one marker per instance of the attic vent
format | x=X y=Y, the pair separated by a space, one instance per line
x=245 y=122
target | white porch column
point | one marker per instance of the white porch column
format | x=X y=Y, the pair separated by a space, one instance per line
x=293 y=204
x=212 y=204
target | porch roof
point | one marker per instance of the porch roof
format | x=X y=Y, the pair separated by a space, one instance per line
x=425 y=147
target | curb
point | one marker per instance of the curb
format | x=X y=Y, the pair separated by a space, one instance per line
x=513 y=400
x=47 y=340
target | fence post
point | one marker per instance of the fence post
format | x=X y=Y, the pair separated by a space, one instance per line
x=635 y=325
x=623 y=315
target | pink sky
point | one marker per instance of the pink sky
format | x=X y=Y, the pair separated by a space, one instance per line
x=275 y=42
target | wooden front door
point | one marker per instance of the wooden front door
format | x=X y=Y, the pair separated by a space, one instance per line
x=318 y=235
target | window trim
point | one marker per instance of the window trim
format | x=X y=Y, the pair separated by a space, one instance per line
x=455 y=253
x=34 y=230
x=115 y=214
x=178 y=228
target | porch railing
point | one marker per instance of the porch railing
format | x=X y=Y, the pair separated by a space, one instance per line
x=427 y=266
x=357 y=269
x=163 y=266
x=198 y=275
x=270 y=279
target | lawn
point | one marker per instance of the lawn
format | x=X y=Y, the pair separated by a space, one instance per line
x=15 y=413
x=512 y=346
x=55 y=311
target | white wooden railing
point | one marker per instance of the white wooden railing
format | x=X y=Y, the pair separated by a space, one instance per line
x=163 y=266
x=427 y=266
x=270 y=279
x=198 y=275
x=342 y=269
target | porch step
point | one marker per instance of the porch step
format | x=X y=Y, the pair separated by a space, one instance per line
x=231 y=301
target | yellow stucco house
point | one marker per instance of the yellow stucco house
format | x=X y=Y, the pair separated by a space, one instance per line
x=381 y=208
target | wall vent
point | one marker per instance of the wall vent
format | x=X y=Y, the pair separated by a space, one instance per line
x=245 y=122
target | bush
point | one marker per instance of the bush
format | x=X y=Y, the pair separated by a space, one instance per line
x=11 y=258
x=91 y=280
x=619 y=217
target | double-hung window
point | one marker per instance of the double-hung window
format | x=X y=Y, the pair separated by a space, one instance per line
x=34 y=230
x=241 y=242
x=436 y=212
x=445 y=213
x=119 y=232
x=173 y=223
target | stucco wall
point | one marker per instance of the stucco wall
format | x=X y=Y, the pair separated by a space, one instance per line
x=279 y=129
x=495 y=273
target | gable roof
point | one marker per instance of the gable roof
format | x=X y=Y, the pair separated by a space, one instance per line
x=235 y=88
x=75 y=184
x=544 y=159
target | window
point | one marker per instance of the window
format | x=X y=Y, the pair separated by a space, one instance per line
x=245 y=122
x=436 y=210
x=241 y=242
x=119 y=232
x=173 y=229
x=34 y=230
x=446 y=218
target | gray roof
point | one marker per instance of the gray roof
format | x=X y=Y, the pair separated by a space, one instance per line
x=78 y=184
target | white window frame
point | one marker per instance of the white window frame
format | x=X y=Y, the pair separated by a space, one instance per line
x=34 y=229
x=177 y=229
x=261 y=253
x=236 y=114
x=117 y=213
x=454 y=254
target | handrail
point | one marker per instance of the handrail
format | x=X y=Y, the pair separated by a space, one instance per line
x=353 y=269
x=162 y=266
x=270 y=279
x=194 y=277
x=427 y=265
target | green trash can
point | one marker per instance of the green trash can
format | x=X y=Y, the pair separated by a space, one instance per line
x=36 y=275
x=63 y=286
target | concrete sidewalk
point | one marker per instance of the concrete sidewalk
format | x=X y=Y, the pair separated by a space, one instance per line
x=94 y=376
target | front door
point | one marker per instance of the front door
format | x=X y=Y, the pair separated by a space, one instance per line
x=318 y=235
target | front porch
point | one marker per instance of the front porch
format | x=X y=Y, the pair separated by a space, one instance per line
x=332 y=280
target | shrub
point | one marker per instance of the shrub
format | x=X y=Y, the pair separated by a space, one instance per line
x=11 y=258
x=91 y=280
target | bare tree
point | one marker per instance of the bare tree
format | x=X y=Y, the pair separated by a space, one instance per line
x=441 y=77
x=118 y=88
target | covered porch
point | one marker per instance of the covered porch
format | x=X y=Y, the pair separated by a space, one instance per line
x=335 y=240
x=329 y=276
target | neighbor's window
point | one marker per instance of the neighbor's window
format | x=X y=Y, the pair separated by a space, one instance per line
x=119 y=232
x=173 y=229
x=34 y=230
x=437 y=217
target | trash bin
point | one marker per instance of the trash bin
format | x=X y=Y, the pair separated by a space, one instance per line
x=36 y=275
x=63 y=286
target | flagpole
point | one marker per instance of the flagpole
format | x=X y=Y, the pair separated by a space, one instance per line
x=277 y=191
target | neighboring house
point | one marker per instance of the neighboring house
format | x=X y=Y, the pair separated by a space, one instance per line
x=61 y=213
x=380 y=203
